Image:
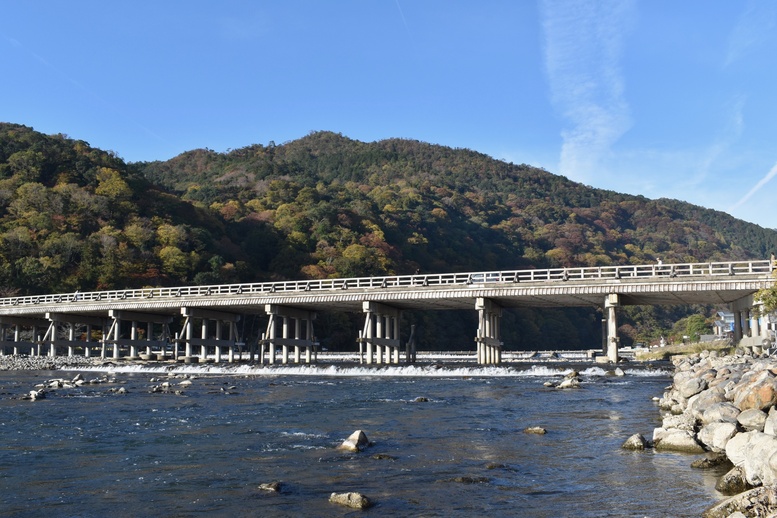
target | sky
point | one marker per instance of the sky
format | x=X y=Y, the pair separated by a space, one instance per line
x=657 y=98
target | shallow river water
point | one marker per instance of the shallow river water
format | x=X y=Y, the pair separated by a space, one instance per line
x=447 y=441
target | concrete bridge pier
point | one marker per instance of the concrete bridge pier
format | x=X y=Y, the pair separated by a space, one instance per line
x=380 y=334
x=489 y=344
x=135 y=342
x=12 y=329
x=296 y=329
x=207 y=339
x=52 y=336
x=751 y=327
x=611 y=303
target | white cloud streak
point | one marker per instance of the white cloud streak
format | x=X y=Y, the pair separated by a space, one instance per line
x=754 y=26
x=763 y=181
x=583 y=44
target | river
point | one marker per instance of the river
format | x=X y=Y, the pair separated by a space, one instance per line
x=448 y=440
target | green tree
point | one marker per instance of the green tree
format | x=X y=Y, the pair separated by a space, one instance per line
x=768 y=296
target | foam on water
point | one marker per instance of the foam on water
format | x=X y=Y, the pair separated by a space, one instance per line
x=426 y=371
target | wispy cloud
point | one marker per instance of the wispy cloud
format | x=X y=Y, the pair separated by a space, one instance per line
x=761 y=183
x=402 y=15
x=754 y=26
x=583 y=44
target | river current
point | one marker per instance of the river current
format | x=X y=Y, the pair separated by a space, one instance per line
x=448 y=440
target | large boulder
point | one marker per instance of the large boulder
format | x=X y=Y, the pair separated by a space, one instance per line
x=715 y=436
x=677 y=440
x=569 y=382
x=723 y=412
x=699 y=403
x=761 y=501
x=357 y=441
x=770 y=425
x=736 y=448
x=758 y=391
x=692 y=387
x=756 y=453
x=752 y=419
x=679 y=421
x=352 y=499
x=635 y=442
x=733 y=482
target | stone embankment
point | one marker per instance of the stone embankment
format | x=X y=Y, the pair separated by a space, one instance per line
x=724 y=406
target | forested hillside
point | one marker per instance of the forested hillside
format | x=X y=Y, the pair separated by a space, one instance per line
x=75 y=217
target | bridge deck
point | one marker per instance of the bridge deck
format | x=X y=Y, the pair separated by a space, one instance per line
x=691 y=283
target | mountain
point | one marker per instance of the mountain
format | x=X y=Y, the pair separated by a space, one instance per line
x=75 y=217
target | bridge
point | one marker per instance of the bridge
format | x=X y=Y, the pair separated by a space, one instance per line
x=135 y=320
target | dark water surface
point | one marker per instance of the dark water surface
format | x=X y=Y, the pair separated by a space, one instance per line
x=90 y=452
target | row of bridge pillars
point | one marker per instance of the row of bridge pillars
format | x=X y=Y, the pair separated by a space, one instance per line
x=218 y=334
x=288 y=328
x=379 y=338
x=289 y=336
x=55 y=340
x=289 y=331
x=748 y=322
x=488 y=339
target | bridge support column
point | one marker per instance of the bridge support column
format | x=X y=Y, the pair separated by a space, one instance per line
x=133 y=346
x=217 y=351
x=746 y=331
x=51 y=335
x=489 y=344
x=116 y=337
x=71 y=336
x=296 y=328
x=610 y=304
x=737 y=326
x=206 y=340
x=380 y=333
x=136 y=342
x=204 y=337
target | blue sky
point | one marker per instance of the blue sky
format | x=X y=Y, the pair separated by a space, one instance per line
x=658 y=98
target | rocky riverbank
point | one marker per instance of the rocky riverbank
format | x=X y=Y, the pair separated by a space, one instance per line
x=724 y=407
x=29 y=363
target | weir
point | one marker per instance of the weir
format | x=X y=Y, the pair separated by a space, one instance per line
x=136 y=323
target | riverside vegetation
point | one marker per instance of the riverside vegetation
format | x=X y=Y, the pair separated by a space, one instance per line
x=73 y=217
